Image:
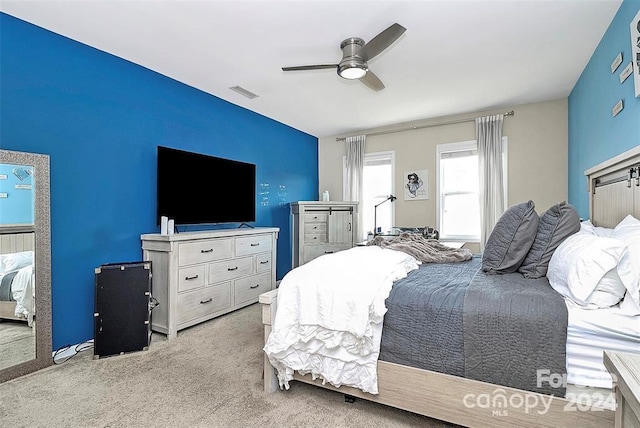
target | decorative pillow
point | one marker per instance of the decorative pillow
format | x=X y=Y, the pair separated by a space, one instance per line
x=13 y=261
x=628 y=231
x=583 y=264
x=510 y=239
x=556 y=224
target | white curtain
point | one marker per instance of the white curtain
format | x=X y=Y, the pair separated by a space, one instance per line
x=355 y=147
x=489 y=137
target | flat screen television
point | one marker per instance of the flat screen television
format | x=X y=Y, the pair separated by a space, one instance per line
x=194 y=188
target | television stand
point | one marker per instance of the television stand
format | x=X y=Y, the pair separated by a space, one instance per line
x=245 y=224
x=201 y=275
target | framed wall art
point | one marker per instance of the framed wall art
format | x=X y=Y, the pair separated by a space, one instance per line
x=415 y=186
x=635 y=51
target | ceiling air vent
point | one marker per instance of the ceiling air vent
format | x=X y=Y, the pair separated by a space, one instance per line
x=244 y=92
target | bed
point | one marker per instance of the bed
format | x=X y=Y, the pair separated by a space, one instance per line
x=489 y=397
x=16 y=275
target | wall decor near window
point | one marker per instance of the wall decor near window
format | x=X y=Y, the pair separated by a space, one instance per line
x=415 y=186
x=635 y=51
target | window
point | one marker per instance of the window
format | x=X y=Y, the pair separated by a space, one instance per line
x=377 y=185
x=458 y=190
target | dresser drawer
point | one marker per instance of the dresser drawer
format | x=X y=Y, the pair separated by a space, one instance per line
x=191 y=277
x=310 y=252
x=199 y=303
x=315 y=238
x=316 y=217
x=310 y=228
x=250 y=288
x=204 y=251
x=263 y=262
x=229 y=269
x=246 y=245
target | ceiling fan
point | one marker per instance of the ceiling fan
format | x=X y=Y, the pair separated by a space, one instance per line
x=355 y=54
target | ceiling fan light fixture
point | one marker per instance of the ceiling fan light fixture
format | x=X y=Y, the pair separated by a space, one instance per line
x=352 y=71
x=355 y=55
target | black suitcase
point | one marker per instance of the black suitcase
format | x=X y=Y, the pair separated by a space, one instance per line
x=122 y=308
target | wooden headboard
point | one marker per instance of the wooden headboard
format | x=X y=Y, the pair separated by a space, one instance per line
x=14 y=240
x=614 y=189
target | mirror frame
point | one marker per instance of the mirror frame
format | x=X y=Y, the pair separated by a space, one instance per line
x=42 y=230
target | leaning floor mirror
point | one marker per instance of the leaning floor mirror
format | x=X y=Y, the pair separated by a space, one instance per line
x=25 y=264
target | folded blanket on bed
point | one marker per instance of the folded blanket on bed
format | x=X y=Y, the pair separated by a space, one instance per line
x=423 y=249
x=453 y=318
x=330 y=313
x=514 y=327
x=6 y=279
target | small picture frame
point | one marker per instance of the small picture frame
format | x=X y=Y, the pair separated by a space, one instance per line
x=616 y=63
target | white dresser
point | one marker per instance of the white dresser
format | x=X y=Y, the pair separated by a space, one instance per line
x=201 y=275
x=322 y=228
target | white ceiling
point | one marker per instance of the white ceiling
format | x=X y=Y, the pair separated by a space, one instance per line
x=455 y=57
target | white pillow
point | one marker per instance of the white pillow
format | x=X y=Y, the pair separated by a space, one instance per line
x=609 y=291
x=628 y=306
x=582 y=265
x=628 y=231
x=587 y=226
x=13 y=261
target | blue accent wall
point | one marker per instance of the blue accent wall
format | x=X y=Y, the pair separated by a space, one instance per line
x=594 y=134
x=100 y=118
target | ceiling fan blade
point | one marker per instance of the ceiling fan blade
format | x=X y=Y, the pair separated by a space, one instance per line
x=372 y=81
x=310 y=67
x=380 y=42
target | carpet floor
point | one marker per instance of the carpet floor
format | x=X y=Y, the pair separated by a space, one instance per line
x=17 y=343
x=209 y=376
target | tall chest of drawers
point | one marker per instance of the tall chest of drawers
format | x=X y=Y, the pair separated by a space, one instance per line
x=322 y=228
x=197 y=276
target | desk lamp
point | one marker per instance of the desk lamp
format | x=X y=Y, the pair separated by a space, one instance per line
x=375 y=213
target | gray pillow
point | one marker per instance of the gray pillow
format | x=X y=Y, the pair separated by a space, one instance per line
x=510 y=239
x=556 y=224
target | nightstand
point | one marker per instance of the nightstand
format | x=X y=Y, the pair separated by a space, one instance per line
x=625 y=370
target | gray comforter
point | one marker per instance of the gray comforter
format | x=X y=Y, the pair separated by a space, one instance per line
x=453 y=318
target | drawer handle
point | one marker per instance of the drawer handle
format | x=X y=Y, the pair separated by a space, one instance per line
x=207 y=251
x=255 y=244
x=264 y=262
x=233 y=268
x=315 y=237
x=209 y=300
x=255 y=286
x=190 y=277
x=328 y=252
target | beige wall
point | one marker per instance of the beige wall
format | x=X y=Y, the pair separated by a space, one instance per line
x=537 y=157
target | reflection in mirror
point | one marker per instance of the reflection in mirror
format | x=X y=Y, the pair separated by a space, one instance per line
x=25 y=268
x=17 y=303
